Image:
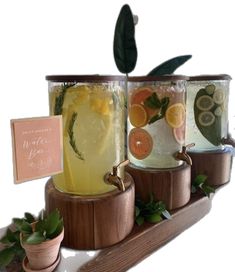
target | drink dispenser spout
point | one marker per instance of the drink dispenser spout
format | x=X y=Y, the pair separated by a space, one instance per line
x=114 y=179
x=228 y=140
x=183 y=156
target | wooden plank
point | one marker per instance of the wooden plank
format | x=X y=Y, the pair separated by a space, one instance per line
x=146 y=239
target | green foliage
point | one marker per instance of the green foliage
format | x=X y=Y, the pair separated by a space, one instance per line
x=169 y=66
x=154 y=102
x=124 y=46
x=152 y=212
x=199 y=184
x=45 y=228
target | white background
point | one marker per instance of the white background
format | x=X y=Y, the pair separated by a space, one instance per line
x=75 y=37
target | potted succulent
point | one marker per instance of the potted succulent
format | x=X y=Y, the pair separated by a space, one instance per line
x=35 y=240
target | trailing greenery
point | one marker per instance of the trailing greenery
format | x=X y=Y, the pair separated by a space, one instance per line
x=152 y=211
x=59 y=101
x=169 y=66
x=72 y=138
x=124 y=46
x=46 y=228
x=199 y=184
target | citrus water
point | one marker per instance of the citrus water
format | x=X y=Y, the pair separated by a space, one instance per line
x=207 y=113
x=156 y=123
x=93 y=132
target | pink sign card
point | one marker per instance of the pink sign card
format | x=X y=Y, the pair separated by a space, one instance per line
x=37 y=147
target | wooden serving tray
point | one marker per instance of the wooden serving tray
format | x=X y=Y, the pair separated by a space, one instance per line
x=147 y=238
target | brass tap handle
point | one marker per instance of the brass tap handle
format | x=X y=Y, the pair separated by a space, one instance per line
x=183 y=155
x=228 y=140
x=114 y=179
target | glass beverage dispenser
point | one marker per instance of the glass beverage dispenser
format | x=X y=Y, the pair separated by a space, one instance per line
x=207 y=108
x=93 y=130
x=156 y=121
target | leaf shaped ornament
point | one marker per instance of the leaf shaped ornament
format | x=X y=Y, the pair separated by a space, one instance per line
x=169 y=66
x=124 y=46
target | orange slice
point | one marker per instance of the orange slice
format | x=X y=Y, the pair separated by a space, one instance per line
x=140 y=95
x=175 y=115
x=138 y=115
x=140 y=143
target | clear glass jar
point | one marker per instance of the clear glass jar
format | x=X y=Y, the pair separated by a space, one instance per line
x=156 y=120
x=93 y=130
x=207 y=111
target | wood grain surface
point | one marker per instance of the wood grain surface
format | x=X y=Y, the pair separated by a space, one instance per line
x=145 y=239
x=172 y=185
x=94 y=222
x=216 y=165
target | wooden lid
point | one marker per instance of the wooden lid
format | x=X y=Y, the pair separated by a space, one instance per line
x=84 y=78
x=157 y=78
x=210 y=77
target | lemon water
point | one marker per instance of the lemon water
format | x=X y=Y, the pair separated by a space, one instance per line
x=93 y=132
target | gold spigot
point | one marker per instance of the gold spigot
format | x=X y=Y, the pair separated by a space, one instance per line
x=183 y=155
x=114 y=179
x=228 y=140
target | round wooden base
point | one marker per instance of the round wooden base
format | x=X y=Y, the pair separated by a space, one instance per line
x=93 y=222
x=171 y=185
x=216 y=165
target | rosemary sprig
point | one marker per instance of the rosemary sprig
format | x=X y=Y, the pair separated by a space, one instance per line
x=71 y=137
x=59 y=101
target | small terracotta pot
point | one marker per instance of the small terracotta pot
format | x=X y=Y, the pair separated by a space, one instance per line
x=45 y=254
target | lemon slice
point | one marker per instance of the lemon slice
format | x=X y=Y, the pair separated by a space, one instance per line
x=205 y=103
x=175 y=115
x=206 y=118
x=138 y=115
x=219 y=96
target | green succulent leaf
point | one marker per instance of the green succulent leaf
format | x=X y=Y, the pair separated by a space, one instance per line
x=169 y=66
x=124 y=46
x=26 y=227
x=29 y=218
x=6 y=256
x=18 y=222
x=35 y=238
x=58 y=230
x=52 y=222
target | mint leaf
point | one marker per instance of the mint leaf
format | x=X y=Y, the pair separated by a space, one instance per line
x=137 y=211
x=139 y=220
x=154 y=218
